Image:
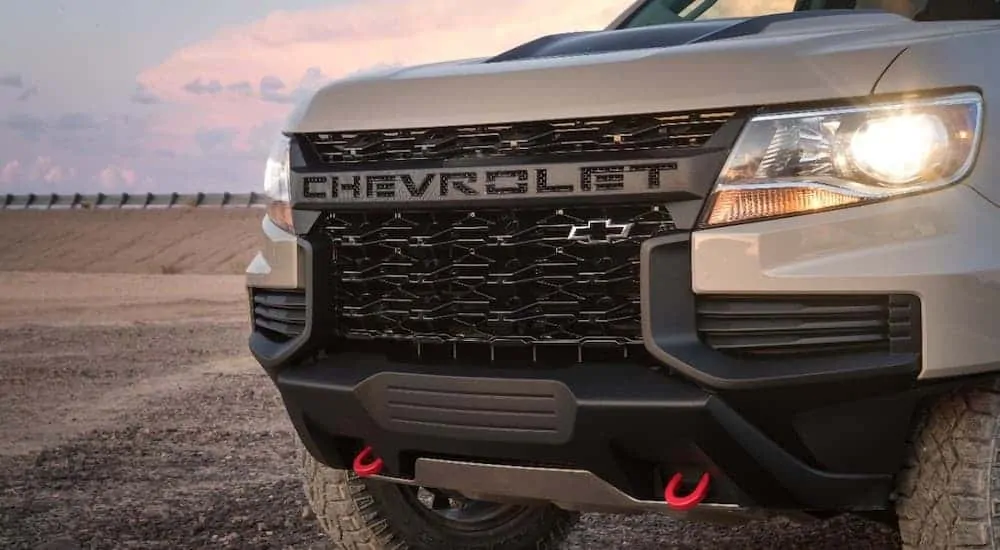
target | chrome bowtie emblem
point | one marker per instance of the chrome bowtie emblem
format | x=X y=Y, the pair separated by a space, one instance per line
x=599 y=231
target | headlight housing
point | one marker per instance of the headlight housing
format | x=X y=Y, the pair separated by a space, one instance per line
x=277 y=175
x=807 y=161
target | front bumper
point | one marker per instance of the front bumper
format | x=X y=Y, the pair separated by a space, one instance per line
x=629 y=426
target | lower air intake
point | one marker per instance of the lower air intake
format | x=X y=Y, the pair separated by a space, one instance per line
x=787 y=325
x=279 y=314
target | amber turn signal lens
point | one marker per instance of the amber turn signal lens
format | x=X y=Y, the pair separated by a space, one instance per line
x=735 y=205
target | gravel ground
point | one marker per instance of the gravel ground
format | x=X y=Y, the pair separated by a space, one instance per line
x=119 y=432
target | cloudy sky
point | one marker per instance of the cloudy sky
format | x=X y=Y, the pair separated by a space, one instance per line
x=186 y=95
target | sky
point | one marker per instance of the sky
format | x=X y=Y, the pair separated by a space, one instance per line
x=188 y=95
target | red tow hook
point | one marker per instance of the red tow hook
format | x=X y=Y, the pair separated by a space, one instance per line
x=687 y=502
x=362 y=467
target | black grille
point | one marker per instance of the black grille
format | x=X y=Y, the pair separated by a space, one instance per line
x=494 y=284
x=621 y=134
x=280 y=314
x=768 y=325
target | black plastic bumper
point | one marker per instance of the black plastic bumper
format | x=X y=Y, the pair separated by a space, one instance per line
x=629 y=425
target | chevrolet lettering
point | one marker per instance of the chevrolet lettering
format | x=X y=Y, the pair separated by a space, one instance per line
x=471 y=183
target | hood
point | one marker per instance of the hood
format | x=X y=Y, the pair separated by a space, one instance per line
x=718 y=64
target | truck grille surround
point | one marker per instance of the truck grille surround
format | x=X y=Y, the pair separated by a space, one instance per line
x=493 y=284
x=513 y=282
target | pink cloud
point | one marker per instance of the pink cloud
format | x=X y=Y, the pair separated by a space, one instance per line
x=11 y=172
x=218 y=82
x=348 y=37
x=45 y=170
x=115 y=177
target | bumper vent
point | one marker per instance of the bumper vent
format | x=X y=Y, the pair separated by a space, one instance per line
x=768 y=325
x=494 y=285
x=537 y=139
x=279 y=314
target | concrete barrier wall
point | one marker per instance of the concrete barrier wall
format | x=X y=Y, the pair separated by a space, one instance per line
x=126 y=200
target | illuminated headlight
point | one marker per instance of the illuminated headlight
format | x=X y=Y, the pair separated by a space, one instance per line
x=276 y=184
x=807 y=161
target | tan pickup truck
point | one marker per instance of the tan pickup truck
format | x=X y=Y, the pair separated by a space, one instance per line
x=722 y=260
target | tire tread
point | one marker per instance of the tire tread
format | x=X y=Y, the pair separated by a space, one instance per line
x=949 y=489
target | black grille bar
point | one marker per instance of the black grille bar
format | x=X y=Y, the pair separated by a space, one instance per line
x=657 y=132
x=527 y=284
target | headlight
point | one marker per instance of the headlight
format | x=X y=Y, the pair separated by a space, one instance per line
x=276 y=184
x=795 y=163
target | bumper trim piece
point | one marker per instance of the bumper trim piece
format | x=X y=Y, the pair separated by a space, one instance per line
x=273 y=354
x=571 y=489
x=493 y=409
x=670 y=333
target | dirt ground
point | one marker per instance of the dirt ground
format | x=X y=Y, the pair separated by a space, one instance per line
x=133 y=417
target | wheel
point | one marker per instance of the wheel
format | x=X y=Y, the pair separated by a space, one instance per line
x=363 y=514
x=948 y=494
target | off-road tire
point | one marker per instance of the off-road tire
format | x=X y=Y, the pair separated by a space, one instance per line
x=358 y=514
x=948 y=494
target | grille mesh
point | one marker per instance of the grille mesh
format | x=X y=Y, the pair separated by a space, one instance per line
x=503 y=283
x=659 y=131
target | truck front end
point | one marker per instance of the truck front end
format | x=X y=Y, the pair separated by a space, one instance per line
x=499 y=292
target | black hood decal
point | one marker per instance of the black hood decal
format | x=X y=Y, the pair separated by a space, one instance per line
x=656 y=36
